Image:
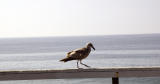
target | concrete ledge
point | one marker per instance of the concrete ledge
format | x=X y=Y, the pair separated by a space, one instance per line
x=81 y=73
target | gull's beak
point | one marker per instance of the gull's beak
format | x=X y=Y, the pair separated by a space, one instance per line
x=93 y=47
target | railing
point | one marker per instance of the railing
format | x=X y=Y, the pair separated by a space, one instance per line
x=113 y=73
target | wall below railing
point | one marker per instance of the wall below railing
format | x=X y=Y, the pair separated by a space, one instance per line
x=113 y=73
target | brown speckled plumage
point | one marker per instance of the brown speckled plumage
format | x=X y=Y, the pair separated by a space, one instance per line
x=79 y=54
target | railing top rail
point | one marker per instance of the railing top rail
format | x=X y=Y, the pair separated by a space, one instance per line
x=81 y=73
x=86 y=69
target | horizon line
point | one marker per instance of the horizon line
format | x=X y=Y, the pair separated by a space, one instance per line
x=79 y=35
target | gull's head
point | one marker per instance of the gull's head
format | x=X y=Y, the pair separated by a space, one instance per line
x=90 y=45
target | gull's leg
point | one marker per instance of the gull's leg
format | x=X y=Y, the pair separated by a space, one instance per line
x=84 y=64
x=77 y=64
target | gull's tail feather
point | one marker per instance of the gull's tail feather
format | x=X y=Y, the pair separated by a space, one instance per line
x=66 y=59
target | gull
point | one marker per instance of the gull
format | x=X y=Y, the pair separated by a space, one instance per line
x=79 y=54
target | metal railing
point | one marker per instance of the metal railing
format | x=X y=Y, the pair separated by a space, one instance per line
x=113 y=73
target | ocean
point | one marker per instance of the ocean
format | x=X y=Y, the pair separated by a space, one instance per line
x=141 y=50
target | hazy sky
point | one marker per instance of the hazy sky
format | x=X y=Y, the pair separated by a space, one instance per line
x=27 y=18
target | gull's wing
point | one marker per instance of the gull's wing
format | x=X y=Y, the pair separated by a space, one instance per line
x=80 y=50
x=76 y=53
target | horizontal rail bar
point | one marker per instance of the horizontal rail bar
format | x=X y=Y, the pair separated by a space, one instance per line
x=81 y=73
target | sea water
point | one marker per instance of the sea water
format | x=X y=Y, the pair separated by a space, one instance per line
x=111 y=51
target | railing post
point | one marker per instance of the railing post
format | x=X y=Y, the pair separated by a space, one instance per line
x=115 y=80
